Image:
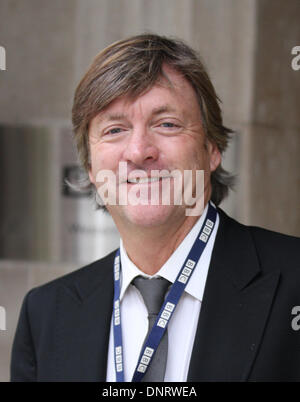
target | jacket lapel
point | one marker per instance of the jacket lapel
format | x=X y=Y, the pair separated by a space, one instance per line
x=235 y=308
x=84 y=309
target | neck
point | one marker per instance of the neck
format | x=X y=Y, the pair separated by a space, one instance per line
x=160 y=243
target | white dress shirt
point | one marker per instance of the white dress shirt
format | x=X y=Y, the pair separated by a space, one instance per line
x=183 y=324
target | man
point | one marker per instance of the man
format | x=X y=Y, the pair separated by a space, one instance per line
x=226 y=313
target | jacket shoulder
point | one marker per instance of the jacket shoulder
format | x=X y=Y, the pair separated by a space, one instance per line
x=277 y=249
x=275 y=237
x=273 y=249
x=88 y=276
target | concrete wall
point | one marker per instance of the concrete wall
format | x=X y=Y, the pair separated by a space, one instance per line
x=274 y=154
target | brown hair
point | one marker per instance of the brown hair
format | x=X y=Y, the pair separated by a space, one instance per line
x=131 y=67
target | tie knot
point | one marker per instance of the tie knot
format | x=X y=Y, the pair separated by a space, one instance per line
x=153 y=291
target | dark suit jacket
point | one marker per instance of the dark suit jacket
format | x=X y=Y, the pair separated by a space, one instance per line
x=244 y=331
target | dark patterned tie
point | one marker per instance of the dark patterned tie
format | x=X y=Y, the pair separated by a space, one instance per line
x=153 y=292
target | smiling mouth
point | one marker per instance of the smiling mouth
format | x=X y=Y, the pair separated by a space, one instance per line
x=141 y=180
x=145 y=180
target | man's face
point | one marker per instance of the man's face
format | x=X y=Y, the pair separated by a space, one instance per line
x=160 y=130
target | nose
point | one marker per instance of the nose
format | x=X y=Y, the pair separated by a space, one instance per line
x=140 y=148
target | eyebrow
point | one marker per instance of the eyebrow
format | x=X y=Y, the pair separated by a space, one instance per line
x=112 y=117
x=163 y=109
x=121 y=116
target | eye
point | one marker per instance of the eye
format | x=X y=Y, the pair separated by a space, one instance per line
x=168 y=124
x=168 y=127
x=114 y=130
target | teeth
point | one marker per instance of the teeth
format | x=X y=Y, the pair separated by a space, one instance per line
x=143 y=180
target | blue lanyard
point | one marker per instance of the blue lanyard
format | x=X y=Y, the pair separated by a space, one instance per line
x=168 y=306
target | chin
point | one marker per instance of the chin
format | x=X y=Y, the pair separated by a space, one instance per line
x=149 y=215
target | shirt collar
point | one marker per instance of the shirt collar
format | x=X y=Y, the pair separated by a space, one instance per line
x=170 y=269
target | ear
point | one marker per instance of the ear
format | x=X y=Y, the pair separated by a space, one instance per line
x=91 y=177
x=214 y=156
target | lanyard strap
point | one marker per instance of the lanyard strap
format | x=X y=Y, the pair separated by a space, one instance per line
x=168 y=306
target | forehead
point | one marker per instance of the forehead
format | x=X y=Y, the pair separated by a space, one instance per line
x=171 y=92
